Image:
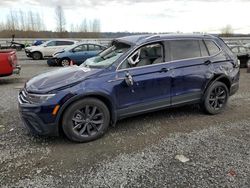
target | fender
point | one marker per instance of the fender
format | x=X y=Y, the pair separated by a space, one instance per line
x=216 y=78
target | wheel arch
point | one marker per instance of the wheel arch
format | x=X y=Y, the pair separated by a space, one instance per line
x=222 y=78
x=102 y=97
x=38 y=52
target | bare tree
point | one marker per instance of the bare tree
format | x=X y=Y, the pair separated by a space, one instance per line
x=96 y=26
x=60 y=19
x=22 y=20
x=31 y=18
x=227 y=31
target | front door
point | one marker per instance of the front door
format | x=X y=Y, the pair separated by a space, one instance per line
x=144 y=81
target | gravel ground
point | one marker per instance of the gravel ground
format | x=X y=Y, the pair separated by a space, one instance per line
x=138 y=152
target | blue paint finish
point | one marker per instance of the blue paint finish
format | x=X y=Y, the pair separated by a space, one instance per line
x=160 y=85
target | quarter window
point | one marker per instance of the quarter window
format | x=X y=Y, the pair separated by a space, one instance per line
x=212 y=47
x=185 y=49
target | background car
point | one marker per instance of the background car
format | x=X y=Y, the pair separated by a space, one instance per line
x=242 y=53
x=8 y=63
x=48 y=48
x=77 y=53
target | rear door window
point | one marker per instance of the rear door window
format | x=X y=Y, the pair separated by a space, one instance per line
x=212 y=47
x=93 y=47
x=64 y=43
x=185 y=49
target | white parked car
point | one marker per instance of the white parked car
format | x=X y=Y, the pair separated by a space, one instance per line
x=48 y=48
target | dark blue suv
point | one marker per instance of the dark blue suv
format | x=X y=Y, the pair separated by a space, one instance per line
x=135 y=75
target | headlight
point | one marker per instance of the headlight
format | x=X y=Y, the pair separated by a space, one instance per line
x=39 y=98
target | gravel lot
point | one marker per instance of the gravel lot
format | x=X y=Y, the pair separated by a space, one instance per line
x=138 y=152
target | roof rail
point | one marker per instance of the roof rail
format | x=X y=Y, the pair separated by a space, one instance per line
x=152 y=37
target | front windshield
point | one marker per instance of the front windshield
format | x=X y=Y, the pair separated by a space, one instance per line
x=107 y=57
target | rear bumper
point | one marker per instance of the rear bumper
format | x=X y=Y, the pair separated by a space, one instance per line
x=17 y=69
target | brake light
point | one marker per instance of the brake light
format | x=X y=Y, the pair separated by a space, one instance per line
x=10 y=59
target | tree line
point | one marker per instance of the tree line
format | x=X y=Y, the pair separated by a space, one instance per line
x=31 y=24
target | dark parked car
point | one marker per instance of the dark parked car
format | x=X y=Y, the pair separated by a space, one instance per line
x=77 y=53
x=137 y=74
x=242 y=53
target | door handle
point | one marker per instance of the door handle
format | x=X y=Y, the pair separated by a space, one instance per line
x=164 y=70
x=207 y=62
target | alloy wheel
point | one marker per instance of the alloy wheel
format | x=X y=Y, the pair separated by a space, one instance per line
x=218 y=98
x=87 y=121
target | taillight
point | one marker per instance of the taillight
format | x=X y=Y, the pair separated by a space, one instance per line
x=10 y=59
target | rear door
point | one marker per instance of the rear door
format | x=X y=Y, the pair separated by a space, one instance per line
x=93 y=50
x=49 y=49
x=60 y=45
x=190 y=67
x=80 y=53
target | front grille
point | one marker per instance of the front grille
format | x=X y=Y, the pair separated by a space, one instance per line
x=23 y=96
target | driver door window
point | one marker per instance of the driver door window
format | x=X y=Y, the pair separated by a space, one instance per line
x=144 y=56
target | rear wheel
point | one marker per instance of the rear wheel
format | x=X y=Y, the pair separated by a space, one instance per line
x=86 y=120
x=36 y=55
x=65 y=62
x=216 y=98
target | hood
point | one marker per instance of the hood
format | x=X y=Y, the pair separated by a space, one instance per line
x=52 y=80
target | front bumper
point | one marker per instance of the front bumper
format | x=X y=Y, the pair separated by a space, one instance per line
x=36 y=125
x=52 y=62
x=28 y=53
x=38 y=119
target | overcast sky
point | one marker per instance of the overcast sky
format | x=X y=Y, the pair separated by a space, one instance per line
x=143 y=15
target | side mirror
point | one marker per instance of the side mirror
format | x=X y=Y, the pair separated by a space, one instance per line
x=135 y=58
x=129 y=79
x=45 y=45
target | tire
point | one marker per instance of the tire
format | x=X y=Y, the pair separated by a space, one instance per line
x=81 y=128
x=65 y=62
x=36 y=55
x=215 y=98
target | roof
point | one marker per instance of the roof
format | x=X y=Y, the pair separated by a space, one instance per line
x=138 y=39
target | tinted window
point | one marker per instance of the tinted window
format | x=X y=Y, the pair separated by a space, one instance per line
x=146 y=55
x=64 y=43
x=52 y=43
x=185 y=49
x=235 y=49
x=94 y=47
x=80 y=48
x=212 y=47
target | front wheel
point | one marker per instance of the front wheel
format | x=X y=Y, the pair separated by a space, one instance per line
x=215 y=98
x=36 y=55
x=65 y=62
x=86 y=120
